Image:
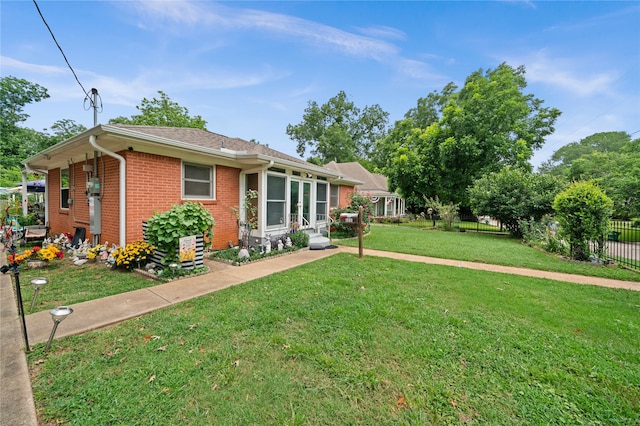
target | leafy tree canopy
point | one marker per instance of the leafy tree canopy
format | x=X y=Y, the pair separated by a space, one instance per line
x=162 y=112
x=610 y=159
x=604 y=142
x=17 y=142
x=338 y=130
x=454 y=137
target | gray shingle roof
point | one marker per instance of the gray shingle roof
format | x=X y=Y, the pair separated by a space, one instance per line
x=372 y=182
x=210 y=140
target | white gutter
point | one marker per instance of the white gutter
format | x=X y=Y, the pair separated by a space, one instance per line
x=123 y=188
x=259 y=169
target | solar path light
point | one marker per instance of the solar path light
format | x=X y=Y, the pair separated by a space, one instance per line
x=58 y=315
x=37 y=283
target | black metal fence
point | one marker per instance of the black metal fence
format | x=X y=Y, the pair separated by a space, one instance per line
x=623 y=243
x=463 y=223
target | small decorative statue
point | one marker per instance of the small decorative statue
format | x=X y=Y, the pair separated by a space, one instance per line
x=287 y=243
x=243 y=254
x=267 y=247
x=280 y=245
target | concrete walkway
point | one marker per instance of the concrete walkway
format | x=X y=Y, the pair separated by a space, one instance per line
x=16 y=399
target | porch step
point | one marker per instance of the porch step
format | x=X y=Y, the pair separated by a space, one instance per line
x=318 y=242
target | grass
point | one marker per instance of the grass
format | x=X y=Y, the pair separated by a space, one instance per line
x=484 y=248
x=70 y=284
x=368 y=341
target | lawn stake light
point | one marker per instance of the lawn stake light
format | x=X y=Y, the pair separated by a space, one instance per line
x=58 y=315
x=15 y=269
x=37 y=283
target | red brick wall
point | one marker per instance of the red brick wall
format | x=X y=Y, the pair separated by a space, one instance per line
x=64 y=220
x=345 y=193
x=153 y=186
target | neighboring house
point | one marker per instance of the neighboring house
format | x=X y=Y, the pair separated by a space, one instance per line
x=112 y=178
x=385 y=203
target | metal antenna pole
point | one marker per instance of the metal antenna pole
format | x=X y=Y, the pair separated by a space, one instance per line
x=94 y=101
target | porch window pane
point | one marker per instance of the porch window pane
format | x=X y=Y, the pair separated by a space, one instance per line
x=321 y=201
x=276 y=200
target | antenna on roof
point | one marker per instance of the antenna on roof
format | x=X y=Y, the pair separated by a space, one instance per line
x=93 y=103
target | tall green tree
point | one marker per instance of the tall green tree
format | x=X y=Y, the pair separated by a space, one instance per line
x=454 y=137
x=603 y=142
x=64 y=129
x=338 y=130
x=16 y=142
x=162 y=112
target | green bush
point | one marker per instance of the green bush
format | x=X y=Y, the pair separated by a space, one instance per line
x=299 y=239
x=356 y=200
x=164 y=230
x=583 y=211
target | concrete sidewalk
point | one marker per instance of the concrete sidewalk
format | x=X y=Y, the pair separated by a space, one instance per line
x=16 y=399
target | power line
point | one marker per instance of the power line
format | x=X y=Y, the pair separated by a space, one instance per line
x=87 y=96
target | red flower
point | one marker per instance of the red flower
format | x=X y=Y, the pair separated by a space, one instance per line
x=10 y=258
x=36 y=249
x=60 y=254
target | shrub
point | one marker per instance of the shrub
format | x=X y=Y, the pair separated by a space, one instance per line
x=299 y=239
x=164 y=230
x=583 y=211
x=447 y=212
x=133 y=255
x=355 y=201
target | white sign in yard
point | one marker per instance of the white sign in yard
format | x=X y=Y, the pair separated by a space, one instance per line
x=187 y=248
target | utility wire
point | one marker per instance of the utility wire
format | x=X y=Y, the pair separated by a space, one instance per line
x=87 y=96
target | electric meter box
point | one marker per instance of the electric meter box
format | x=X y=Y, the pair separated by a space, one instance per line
x=93 y=186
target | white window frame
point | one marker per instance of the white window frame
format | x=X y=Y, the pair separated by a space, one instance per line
x=331 y=196
x=64 y=196
x=283 y=201
x=325 y=202
x=211 y=181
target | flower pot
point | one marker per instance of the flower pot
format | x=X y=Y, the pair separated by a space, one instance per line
x=35 y=264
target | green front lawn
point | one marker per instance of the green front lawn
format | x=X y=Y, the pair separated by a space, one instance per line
x=370 y=341
x=484 y=248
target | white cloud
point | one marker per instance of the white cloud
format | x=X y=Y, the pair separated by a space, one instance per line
x=566 y=74
x=216 y=17
x=382 y=31
x=16 y=65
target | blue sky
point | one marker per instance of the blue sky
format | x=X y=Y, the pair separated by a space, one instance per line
x=250 y=68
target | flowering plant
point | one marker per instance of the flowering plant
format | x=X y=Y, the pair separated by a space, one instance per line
x=133 y=255
x=46 y=254
x=93 y=252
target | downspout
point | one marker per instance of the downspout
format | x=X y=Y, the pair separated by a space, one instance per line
x=123 y=188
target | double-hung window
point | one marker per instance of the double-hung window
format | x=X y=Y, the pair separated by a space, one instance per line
x=335 y=196
x=64 y=188
x=198 y=181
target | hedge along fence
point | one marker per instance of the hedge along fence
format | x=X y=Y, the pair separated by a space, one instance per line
x=158 y=255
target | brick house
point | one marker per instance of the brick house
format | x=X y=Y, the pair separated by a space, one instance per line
x=385 y=203
x=111 y=178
